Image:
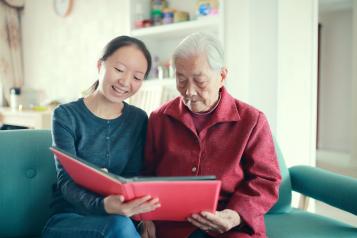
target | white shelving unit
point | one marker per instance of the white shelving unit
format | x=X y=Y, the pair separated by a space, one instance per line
x=177 y=30
x=161 y=41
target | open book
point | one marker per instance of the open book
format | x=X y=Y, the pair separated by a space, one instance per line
x=179 y=196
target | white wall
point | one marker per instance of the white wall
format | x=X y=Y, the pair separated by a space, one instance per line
x=270 y=51
x=237 y=43
x=60 y=53
x=263 y=88
x=354 y=87
x=251 y=53
x=335 y=81
x=297 y=79
x=271 y=55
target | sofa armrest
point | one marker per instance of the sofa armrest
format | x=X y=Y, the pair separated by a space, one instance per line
x=336 y=190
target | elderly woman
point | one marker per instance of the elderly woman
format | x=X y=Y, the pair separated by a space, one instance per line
x=206 y=131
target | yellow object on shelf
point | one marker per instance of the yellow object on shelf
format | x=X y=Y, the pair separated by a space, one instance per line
x=39 y=108
x=180 y=16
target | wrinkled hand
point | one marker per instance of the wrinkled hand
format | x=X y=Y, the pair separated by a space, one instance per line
x=219 y=222
x=115 y=204
x=148 y=230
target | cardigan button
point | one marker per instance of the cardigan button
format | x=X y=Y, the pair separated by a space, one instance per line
x=31 y=173
x=194 y=169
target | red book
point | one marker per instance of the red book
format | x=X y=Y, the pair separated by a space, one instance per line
x=179 y=196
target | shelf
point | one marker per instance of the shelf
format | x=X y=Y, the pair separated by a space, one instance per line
x=178 y=29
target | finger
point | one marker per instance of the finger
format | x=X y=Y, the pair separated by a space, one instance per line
x=130 y=210
x=214 y=226
x=203 y=224
x=117 y=198
x=206 y=222
x=154 y=201
x=145 y=207
x=151 y=204
x=143 y=210
x=198 y=224
x=138 y=201
x=215 y=219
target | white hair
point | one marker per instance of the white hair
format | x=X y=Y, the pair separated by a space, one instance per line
x=201 y=43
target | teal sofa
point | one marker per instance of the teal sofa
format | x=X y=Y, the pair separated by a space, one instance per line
x=27 y=174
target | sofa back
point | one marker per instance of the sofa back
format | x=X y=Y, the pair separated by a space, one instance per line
x=283 y=205
x=27 y=173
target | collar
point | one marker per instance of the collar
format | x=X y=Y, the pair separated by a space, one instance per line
x=226 y=111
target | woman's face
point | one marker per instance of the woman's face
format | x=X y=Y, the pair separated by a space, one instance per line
x=122 y=73
x=197 y=83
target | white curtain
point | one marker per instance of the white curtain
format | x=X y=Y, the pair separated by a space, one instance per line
x=11 y=67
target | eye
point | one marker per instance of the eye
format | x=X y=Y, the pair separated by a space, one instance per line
x=181 y=82
x=200 y=82
x=180 y=79
x=138 y=78
x=119 y=70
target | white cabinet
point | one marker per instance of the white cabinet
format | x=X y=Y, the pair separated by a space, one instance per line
x=161 y=40
x=27 y=118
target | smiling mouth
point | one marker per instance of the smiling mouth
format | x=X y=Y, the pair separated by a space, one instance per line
x=119 y=90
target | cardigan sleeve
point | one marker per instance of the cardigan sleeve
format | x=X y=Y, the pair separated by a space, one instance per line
x=64 y=138
x=259 y=191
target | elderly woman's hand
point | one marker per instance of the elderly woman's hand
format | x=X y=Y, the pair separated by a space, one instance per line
x=219 y=222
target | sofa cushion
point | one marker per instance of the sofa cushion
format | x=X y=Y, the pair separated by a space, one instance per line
x=301 y=224
x=27 y=174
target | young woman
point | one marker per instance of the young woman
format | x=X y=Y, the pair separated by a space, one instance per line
x=103 y=129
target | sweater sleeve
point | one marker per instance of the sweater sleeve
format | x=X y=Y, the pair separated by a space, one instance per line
x=63 y=137
x=257 y=194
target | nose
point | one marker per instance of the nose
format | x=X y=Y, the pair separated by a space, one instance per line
x=125 y=79
x=190 y=90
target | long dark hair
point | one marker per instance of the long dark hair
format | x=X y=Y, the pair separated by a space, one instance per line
x=117 y=43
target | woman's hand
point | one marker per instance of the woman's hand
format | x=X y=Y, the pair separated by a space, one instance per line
x=148 y=230
x=219 y=222
x=115 y=204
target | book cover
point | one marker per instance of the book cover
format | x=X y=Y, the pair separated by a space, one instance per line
x=179 y=196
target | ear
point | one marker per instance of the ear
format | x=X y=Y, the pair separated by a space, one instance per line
x=223 y=74
x=99 y=65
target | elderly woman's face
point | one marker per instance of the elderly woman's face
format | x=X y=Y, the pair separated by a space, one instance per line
x=197 y=83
